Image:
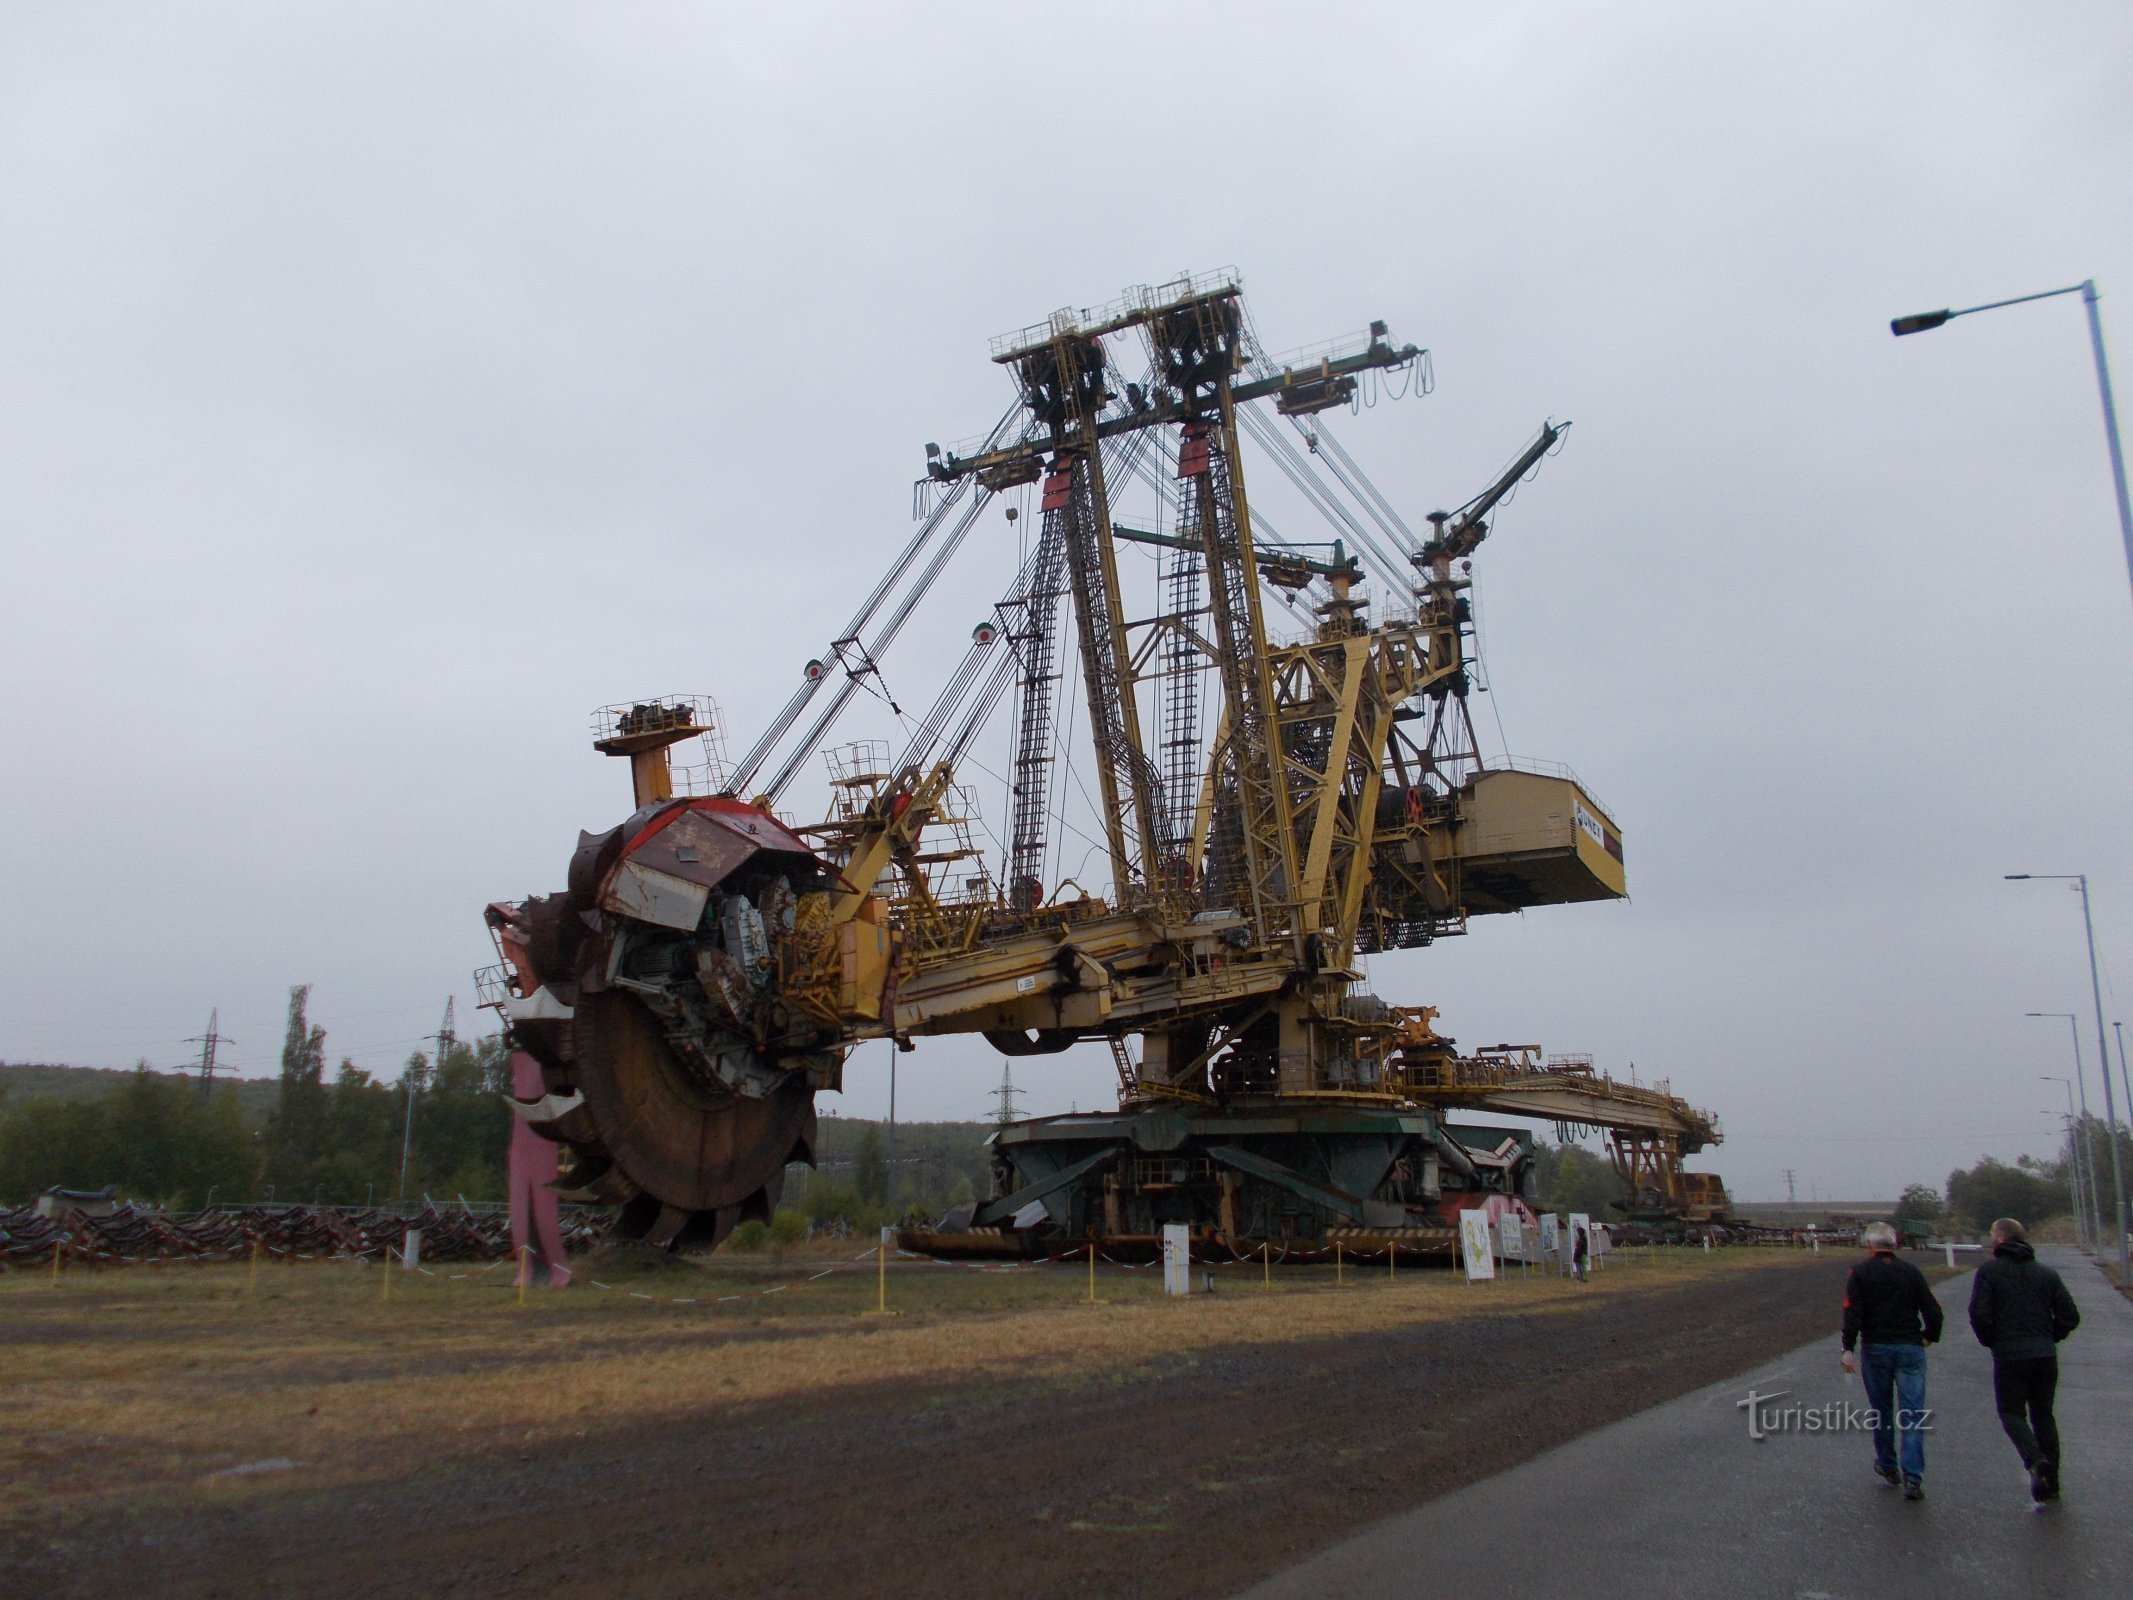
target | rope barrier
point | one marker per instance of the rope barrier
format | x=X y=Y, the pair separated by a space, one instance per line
x=355 y=1245
x=874 y=1257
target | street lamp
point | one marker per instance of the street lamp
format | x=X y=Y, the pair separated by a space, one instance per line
x=1924 y=320
x=2087 y=1157
x=2124 y=1082
x=2073 y=1158
x=411 y=1085
x=2080 y=880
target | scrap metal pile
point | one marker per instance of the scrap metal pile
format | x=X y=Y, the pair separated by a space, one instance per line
x=126 y=1234
x=1278 y=774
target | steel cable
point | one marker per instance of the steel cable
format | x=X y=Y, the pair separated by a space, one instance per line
x=762 y=749
x=1386 y=567
x=873 y=651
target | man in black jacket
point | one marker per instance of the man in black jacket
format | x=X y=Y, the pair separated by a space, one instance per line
x=1890 y=1312
x=2020 y=1310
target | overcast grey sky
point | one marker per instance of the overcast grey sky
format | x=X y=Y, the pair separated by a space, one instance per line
x=382 y=387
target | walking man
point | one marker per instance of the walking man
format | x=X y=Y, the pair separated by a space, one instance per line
x=2020 y=1310
x=1891 y=1316
x=1580 y=1251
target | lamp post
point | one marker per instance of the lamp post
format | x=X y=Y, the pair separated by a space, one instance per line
x=1924 y=320
x=2087 y=1157
x=2124 y=1082
x=2073 y=1159
x=2080 y=880
x=411 y=1085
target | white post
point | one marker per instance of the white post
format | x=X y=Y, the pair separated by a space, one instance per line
x=1177 y=1258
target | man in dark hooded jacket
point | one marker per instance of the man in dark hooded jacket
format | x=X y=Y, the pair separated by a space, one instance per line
x=2020 y=1310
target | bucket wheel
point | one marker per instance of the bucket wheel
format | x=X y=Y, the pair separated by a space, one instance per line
x=686 y=1161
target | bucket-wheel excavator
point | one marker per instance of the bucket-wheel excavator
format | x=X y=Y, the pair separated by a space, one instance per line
x=1280 y=776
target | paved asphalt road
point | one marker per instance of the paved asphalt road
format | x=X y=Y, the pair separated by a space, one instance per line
x=1680 y=1501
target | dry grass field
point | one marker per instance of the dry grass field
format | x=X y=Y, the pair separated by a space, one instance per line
x=204 y=1381
x=716 y=1429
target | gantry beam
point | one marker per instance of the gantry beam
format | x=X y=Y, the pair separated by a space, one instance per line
x=1161 y=408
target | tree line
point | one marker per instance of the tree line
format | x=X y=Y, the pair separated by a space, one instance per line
x=333 y=1141
x=938 y=1165
x=337 y=1140
x=1568 y=1177
x=2028 y=1188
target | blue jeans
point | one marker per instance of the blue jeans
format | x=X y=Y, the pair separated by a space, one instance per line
x=1895 y=1377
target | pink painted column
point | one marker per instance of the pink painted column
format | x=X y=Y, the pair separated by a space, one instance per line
x=536 y=1232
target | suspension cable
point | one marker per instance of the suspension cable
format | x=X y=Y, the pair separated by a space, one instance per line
x=761 y=750
x=1121 y=458
x=1386 y=567
x=872 y=652
x=1358 y=484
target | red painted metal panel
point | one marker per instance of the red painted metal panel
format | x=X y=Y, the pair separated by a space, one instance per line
x=1192 y=450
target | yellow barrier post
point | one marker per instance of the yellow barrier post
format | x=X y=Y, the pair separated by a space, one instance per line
x=523 y=1274
x=1266 y=1263
x=1340 y=1265
x=881 y=1278
x=1092 y=1272
x=1392 y=1258
x=56 y=1247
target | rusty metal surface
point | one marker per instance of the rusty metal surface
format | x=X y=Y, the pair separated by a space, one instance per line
x=695 y=847
x=668 y=1067
x=680 y=1141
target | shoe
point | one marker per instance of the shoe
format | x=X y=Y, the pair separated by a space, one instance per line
x=1888 y=1475
x=2040 y=1486
x=1913 y=1489
x=2051 y=1483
